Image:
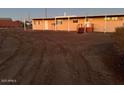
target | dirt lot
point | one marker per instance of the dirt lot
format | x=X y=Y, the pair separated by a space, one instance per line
x=57 y=58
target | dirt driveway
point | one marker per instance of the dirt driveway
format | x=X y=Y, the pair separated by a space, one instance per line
x=56 y=58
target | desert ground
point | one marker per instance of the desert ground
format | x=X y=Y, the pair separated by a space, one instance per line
x=58 y=58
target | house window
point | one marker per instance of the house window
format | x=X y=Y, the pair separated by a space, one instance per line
x=111 y=18
x=108 y=18
x=38 y=22
x=58 y=22
x=53 y=24
x=114 y=18
x=119 y=18
x=34 y=22
x=75 y=20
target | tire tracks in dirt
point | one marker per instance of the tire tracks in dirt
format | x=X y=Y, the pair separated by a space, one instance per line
x=46 y=60
x=2 y=38
x=9 y=69
x=77 y=67
x=99 y=73
x=4 y=62
x=20 y=76
x=34 y=68
x=43 y=68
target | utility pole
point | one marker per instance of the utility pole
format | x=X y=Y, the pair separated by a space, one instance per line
x=105 y=25
x=28 y=17
x=69 y=20
x=69 y=11
x=68 y=24
x=46 y=12
x=85 y=23
x=64 y=13
x=55 y=23
x=24 y=24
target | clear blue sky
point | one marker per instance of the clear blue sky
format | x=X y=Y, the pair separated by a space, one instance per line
x=20 y=13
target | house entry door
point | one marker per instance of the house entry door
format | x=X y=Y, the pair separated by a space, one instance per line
x=46 y=25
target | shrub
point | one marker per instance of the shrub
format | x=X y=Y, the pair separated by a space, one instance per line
x=119 y=39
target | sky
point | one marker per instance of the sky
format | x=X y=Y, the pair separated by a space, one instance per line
x=23 y=13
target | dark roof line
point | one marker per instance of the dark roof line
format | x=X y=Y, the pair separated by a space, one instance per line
x=5 y=19
x=89 y=16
